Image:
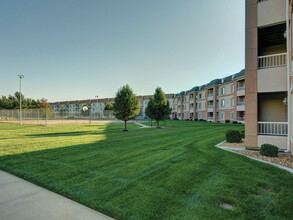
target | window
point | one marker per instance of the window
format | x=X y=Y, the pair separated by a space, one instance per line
x=232 y=102
x=232 y=115
x=199 y=95
x=199 y=105
x=223 y=90
x=222 y=115
x=232 y=88
x=222 y=103
x=199 y=115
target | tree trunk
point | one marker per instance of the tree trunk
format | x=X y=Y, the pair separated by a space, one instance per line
x=125 y=126
x=158 y=124
x=151 y=122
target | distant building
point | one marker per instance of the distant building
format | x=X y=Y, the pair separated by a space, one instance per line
x=219 y=100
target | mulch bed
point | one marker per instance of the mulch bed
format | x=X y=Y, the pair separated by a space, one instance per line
x=285 y=160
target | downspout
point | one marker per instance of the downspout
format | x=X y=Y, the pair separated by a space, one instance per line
x=288 y=75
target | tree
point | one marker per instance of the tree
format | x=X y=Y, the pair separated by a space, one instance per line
x=109 y=106
x=149 y=110
x=159 y=107
x=168 y=111
x=126 y=106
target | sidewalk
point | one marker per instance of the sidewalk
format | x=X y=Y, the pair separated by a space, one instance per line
x=23 y=200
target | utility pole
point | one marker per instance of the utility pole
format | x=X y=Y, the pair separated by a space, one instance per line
x=20 y=77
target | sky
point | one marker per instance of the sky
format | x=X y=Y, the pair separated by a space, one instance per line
x=73 y=49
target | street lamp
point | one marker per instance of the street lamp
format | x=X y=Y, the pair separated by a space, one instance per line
x=20 y=77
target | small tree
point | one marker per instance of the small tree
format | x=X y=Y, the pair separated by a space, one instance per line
x=126 y=105
x=149 y=110
x=160 y=109
x=109 y=106
x=168 y=111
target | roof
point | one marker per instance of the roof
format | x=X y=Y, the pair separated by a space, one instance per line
x=215 y=82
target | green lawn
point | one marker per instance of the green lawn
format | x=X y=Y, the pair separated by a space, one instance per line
x=147 y=173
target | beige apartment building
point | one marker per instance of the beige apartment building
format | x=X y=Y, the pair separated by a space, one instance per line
x=97 y=106
x=217 y=101
x=268 y=71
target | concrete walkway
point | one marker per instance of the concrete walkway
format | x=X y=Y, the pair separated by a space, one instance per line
x=142 y=125
x=23 y=200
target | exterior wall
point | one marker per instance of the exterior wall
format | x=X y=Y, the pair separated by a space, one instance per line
x=272 y=79
x=271 y=12
x=251 y=66
x=279 y=141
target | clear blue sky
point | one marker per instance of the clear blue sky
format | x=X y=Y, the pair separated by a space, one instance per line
x=73 y=49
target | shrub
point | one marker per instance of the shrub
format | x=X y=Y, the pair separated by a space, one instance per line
x=235 y=122
x=204 y=120
x=218 y=121
x=201 y=119
x=175 y=119
x=227 y=121
x=233 y=136
x=269 y=150
x=195 y=119
x=242 y=134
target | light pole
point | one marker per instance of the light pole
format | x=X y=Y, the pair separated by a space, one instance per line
x=20 y=77
x=97 y=104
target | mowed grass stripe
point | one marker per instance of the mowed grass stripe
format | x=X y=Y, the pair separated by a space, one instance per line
x=170 y=173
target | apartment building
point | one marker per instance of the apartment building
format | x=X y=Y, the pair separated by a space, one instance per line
x=268 y=66
x=97 y=106
x=219 y=100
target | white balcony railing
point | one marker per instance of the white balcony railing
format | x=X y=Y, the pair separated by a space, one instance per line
x=275 y=60
x=210 y=118
x=211 y=95
x=240 y=119
x=210 y=106
x=273 y=128
x=240 y=88
x=240 y=103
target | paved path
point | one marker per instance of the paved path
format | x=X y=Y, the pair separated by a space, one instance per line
x=142 y=125
x=22 y=200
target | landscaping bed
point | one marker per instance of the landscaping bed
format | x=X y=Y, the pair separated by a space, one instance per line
x=285 y=160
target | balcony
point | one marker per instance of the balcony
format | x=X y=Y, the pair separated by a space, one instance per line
x=274 y=60
x=273 y=128
x=210 y=96
x=241 y=91
x=241 y=106
x=210 y=118
x=191 y=110
x=210 y=108
x=270 y=12
x=191 y=100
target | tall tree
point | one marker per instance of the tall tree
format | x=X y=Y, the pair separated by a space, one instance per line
x=126 y=106
x=160 y=109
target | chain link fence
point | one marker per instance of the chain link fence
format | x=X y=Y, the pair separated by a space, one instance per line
x=47 y=116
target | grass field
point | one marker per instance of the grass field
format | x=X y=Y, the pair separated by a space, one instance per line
x=147 y=173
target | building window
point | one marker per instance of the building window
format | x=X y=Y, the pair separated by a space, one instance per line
x=223 y=90
x=199 y=115
x=199 y=95
x=232 y=88
x=222 y=115
x=232 y=102
x=232 y=115
x=222 y=103
x=199 y=105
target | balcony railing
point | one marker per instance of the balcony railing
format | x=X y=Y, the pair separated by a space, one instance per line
x=275 y=60
x=273 y=128
x=240 y=88
x=210 y=118
x=210 y=106
x=211 y=95
x=240 y=103
x=259 y=1
x=240 y=119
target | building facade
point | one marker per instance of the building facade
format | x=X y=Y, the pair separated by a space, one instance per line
x=217 y=101
x=268 y=62
x=97 y=106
